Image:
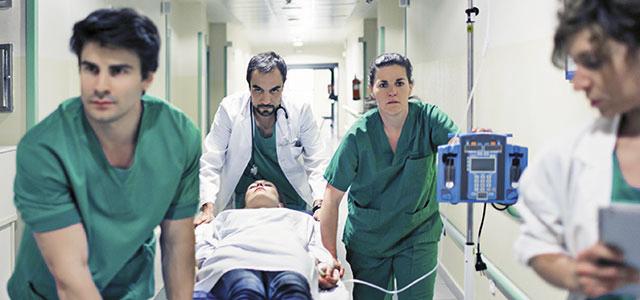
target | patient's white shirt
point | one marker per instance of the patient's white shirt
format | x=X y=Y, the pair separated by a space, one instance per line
x=265 y=239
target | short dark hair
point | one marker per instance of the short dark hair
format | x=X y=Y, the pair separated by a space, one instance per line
x=389 y=59
x=265 y=62
x=119 y=28
x=616 y=19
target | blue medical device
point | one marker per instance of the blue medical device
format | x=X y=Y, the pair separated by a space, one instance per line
x=481 y=168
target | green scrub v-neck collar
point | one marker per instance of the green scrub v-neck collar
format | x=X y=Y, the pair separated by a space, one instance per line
x=402 y=143
x=119 y=174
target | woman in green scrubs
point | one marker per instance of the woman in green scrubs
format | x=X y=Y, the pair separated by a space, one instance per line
x=387 y=162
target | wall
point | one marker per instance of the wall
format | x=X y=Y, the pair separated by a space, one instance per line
x=370 y=35
x=360 y=49
x=391 y=18
x=13 y=125
x=238 y=56
x=217 y=72
x=526 y=97
x=186 y=20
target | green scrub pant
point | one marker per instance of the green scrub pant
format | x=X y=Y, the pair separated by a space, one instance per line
x=406 y=266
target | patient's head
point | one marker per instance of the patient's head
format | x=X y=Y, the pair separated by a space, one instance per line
x=262 y=194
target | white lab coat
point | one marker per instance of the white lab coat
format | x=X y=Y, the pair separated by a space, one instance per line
x=561 y=191
x=227 y=150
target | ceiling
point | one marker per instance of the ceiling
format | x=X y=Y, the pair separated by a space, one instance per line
x=278 y=22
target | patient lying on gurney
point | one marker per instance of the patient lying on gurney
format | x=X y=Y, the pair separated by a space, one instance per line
x=263 y=251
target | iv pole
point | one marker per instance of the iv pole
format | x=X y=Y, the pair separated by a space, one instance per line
x=469 y=269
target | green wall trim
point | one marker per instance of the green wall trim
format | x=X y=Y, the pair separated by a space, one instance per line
x=224 y=71
x=405 y=30
x=503 y=283
x=167 y=58
x=32 y=62
x=365 y=71
x=512 y=212
x=207 y=75
x=381 y=40
x=200 y=73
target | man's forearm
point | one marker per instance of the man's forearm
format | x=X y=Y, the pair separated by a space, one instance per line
x=77 y=286
x=178 y=273
x=178 y=259
x=66 y=254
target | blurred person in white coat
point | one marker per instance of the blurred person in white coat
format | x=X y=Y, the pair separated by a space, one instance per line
x=562 y=190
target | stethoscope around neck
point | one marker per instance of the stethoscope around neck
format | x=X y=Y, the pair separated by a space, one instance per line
x=296 y=142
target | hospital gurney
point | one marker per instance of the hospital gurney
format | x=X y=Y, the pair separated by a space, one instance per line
x=338 y=293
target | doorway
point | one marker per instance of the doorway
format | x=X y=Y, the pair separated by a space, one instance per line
x=315 y=83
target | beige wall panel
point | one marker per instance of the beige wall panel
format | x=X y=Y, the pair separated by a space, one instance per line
x=391 y=17
x=238 y=56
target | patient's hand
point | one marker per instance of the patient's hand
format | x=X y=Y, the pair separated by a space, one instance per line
x=329 y=275
x=205 y=215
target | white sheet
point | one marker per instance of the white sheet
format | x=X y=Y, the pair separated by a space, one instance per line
x=268 y=239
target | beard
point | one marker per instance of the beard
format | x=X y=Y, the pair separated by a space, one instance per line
x=265 y=110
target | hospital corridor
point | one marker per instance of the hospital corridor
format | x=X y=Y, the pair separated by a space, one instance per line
x=320 y=149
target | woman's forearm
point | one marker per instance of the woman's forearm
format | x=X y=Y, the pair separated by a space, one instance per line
x=557 y=269
x=329 y=218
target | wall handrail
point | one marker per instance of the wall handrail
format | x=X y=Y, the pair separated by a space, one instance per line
x=7 y=149
x=8 y=221
x=513 y=213
x=503 y=283
x=351 y=111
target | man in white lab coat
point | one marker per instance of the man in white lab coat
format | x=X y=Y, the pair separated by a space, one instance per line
x=262 y=134
x=263 y=252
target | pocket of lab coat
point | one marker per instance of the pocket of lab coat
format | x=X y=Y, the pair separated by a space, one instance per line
x=295 y=151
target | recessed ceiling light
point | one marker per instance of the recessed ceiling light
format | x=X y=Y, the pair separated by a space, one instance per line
x=298 y=43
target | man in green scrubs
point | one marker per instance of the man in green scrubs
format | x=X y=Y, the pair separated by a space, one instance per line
x=387 y=161
x=97 y=176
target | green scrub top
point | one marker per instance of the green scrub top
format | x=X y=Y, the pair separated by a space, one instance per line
x=265 y=158
x=391 y=199
x=621 y=192
x=63 y=178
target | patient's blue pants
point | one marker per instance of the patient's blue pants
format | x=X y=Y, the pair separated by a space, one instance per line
x=251 y=284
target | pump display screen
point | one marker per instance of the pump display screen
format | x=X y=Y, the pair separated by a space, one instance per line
x=483 y=164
